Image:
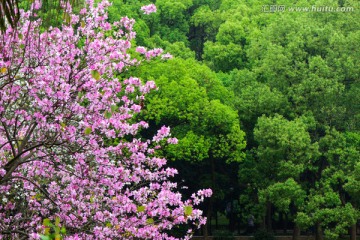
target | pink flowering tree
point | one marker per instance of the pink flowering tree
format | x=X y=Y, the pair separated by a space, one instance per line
x=149 y=8
x=71 y=160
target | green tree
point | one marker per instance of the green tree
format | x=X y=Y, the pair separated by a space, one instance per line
x=192 y=101
x=333 y=201
x=284 y=153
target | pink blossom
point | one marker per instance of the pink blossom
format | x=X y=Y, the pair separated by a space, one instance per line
x=161 y=134
x=74 y=153
x=141 y=50
x=166 y=56
x=34 y=236
x=83 y=11
x=148 y=8
x=37 y=4
x=2 y=172
x=172 y=141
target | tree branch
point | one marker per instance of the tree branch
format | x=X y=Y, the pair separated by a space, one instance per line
x=38 y=187
x=9 y=139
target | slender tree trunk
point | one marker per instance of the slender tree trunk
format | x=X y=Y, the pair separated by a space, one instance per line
x=207 y=227
x=281 y=221
x=216 y=220
x=263 y=223
x=268 y=216
x=286 y=223
x=296 y=233
x=353 y=232
x=319 y=234
x=205 y=231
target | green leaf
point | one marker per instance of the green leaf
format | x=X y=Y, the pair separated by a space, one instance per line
x=95 y=74
x=108 y=114
x=114 y=108
x=63 y=230
x=81 y=94
x=188 y=210
x=20 y=36
x=67 y=18
x=108 y=224
x=63 y=124
x=43 y=237
x=57 y=223
x=87 y=130
x=140 y=209
x=149 y=221
x=47 y=222
x=38 y=196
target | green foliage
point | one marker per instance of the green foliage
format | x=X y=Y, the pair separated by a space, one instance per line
x=223 y=57
x=282 y=194
x=284 y=145
x=289 y=80
x=51 y=13
x=190 y=146
x=253 y=99
x=334 y=220
x=140 y=209
x=263 y=235
x=188 y=210
x=95 y=74
x=53 y=230
x=87 y=131
x=187 y=100
x=223 y=235
x=293 y=81
x=179 y=49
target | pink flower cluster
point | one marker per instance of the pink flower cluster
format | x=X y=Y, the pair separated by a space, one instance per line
x=151 y=8
x=153 y=53
x=68 y=141
x=161 y=134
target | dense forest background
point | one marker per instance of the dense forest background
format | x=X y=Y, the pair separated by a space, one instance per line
x=266 y=106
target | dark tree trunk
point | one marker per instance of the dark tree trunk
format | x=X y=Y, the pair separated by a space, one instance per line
x=205 y=231
x=296 y=233
x=216 y=220
x=319 y=234
x=268 y=217
x=207 y=226
x=286 y=223
x=263 y=223
x=353 y=232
